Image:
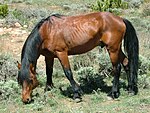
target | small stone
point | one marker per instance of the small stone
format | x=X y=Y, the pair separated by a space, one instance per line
x=25 y=26
x=17 y=24
x=109 y=98
x=1 y=30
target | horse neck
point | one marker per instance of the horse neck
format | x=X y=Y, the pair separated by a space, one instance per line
x=30 y=51
x=26 y=63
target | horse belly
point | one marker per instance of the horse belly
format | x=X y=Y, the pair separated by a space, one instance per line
x=83 y=48
x=81 y=42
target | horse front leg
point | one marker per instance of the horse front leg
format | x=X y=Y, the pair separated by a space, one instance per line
x=49 y=61
x=63 y=57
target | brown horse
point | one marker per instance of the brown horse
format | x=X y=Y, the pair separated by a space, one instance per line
x=58 y=36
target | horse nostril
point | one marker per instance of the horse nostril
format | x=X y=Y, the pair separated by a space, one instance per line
x=28 y=100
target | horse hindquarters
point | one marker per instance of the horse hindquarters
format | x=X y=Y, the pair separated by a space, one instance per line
x=112 y=38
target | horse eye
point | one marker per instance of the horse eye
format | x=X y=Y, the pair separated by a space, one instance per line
x=31 y=81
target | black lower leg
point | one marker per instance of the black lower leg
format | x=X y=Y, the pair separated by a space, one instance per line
x=115 y=88
x=49 y=71
x=76 y=89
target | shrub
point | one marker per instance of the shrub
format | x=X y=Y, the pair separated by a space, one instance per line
x=144 y=80
x=135 y=3
x=89 y=71
x=109 y=5
x=85 y=60
x=8 y=67
x=18 y=1
x=26 y=16
x=146 y=1
x=105 y=65
x=8 y=89
x=144 y=72
x=146 y=9
x=90 y=79
x=86 y=72
x=3 y=10
x=92 y=70
x=144 y=65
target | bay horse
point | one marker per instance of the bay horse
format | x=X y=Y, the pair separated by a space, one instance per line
x=59 y=36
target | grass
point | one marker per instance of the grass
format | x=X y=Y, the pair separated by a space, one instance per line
x=59 y=99
x=57 y=102
x=29 y=12
x=4 y=36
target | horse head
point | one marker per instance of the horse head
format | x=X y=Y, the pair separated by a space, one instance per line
x=27 y=79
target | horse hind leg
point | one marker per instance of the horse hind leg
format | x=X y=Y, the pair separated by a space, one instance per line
x=63 y=57
x=114 y=57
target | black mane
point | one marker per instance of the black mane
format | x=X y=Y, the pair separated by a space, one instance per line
x=30 y=50
x=34 y=37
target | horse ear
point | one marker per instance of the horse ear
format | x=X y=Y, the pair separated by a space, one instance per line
x=19 y=65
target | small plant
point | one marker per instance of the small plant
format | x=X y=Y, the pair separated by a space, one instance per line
x=135 y=3
x=3 y=10
x=144 y=81
x=146 y=9
x=109 y=5
x=144 y=65
x=8 y=89
x=30 y=15
x=8 y=68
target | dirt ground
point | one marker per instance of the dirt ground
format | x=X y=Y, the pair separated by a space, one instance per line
x=12 y=40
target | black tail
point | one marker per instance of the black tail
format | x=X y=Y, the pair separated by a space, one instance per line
x=131 y=45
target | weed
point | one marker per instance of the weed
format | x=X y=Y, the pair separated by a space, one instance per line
x=144 y=65
x=146 y=9
x=110 y=5
x=5 y=35
x=135 y=3
x=8 y=68
x=9 y=89
x=3 y=10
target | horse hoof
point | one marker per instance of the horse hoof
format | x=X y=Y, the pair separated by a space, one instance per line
x=116 y=95
x=77 y=100
x=131 y=93
x=48 y=88
x=109 y=98
x=113 y=95
x=132 y=90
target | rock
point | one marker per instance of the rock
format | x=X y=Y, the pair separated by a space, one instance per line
x=1 y=30
x=66 y=7
x=25 y=26
x=9 y=30
x=17 y=24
